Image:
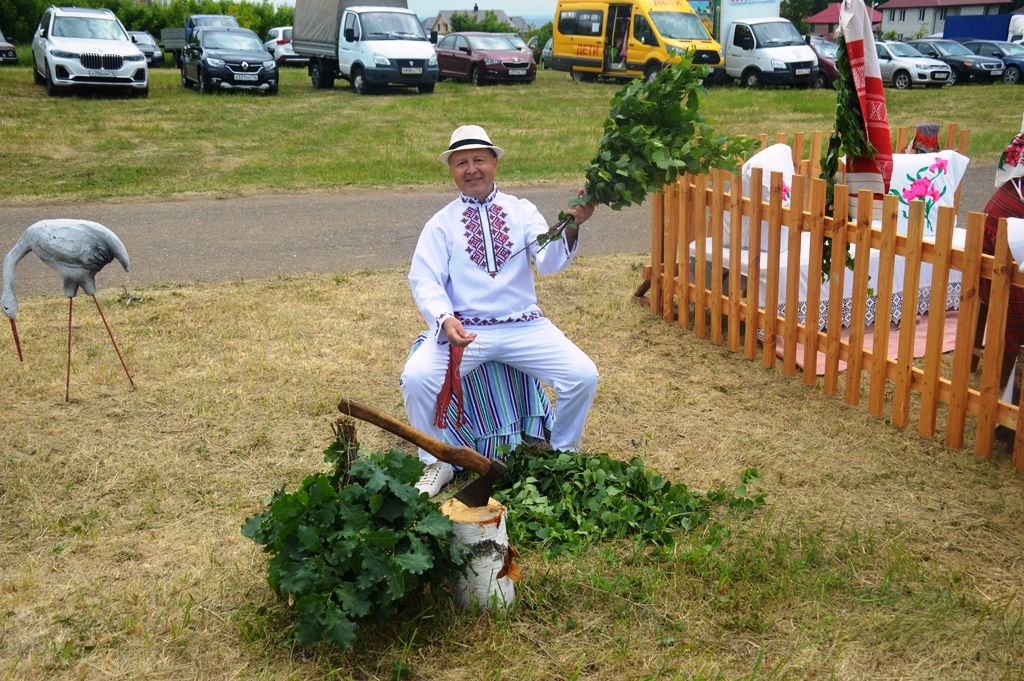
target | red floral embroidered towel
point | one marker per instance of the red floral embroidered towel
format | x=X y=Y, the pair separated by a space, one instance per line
x=867 y=172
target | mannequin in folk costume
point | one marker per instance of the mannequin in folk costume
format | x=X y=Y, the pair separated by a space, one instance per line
x=1007 y=202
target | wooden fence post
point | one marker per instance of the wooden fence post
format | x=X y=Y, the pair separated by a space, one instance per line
x=965 y=325
x=754 y=262
x=700 y=232
x=657 y=241
x=936 y=322
x=735 y=248
x=671 y=254
x=790 y=332
x=685 y=237
x=855 y=361
x=908 y=323
x=836 y=289
x=1018 y=440
x=883 y=307
x=771 y=284
x=995 y=342
x=812 y=321
x=717 y=203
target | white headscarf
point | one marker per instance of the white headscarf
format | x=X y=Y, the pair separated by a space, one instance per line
x=1011 y=162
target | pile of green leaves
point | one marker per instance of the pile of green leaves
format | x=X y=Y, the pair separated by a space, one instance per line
x=653 y=132
x=563 y=501
x=349 y=546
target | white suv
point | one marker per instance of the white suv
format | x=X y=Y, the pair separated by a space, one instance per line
x=74 y=46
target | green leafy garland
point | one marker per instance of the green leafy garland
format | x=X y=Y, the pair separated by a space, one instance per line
x=564 y=501
x=849 y=137
x=653 y=132
x=349 y=546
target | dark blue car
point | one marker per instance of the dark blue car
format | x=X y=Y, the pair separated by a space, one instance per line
x=1012 y=55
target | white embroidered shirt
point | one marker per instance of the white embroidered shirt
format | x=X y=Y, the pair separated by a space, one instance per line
x=470 y=263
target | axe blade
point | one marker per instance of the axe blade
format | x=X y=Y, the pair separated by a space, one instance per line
x=478 y=492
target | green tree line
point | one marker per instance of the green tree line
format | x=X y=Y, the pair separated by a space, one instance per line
x=462 y=21
x=19 y=18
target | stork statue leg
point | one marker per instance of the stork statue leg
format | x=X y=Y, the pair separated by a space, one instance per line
x=109 y=333
x=17 y=341
x=67 y=380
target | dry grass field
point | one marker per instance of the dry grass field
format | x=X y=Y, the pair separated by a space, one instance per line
x=877 y=555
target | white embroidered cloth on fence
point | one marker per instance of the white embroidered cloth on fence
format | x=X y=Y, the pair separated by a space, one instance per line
x=951 y=297
x=776 y=158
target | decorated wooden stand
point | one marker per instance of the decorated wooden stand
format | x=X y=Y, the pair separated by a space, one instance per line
x=490 y=576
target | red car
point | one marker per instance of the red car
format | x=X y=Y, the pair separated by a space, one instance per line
x=483 y=58
x=825 y=51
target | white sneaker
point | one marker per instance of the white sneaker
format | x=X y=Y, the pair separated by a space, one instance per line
x=435 y=476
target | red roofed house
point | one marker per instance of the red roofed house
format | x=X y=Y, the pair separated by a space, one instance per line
x=825 y=22
x=913 y=18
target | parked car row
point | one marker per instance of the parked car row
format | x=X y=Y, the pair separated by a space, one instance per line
x=932 y=62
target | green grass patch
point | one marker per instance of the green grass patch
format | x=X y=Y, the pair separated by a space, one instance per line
x=879 y=553
x=99 y=146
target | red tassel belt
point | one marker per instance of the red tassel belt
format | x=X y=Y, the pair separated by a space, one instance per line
x=451 y=390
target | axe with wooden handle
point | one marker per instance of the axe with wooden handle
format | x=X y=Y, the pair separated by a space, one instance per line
x=474 y=494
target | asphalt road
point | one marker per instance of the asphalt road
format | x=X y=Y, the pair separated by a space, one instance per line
x=257 y=237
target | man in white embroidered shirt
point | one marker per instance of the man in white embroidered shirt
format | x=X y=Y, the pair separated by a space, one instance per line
x=473 y=283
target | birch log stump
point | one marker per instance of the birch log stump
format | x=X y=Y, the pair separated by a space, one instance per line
x=490 y=576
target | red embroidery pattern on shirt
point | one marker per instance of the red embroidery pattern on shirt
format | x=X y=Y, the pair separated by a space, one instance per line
x=502 y=245
x=475 y=238
x=476 y=246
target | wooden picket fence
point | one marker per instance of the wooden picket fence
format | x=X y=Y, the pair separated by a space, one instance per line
x=689 y=215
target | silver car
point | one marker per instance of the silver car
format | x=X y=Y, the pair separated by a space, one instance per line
x=903 y=67
x=8 y=55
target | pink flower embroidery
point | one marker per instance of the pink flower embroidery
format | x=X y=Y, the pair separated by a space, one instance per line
x=918 y=190
x=786 y=191
x=1011 y=156
x=940 y=164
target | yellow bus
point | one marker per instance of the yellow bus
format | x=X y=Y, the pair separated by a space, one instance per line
x=627 y=39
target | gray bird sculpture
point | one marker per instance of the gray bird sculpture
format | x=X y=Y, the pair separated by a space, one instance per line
x=76 y=250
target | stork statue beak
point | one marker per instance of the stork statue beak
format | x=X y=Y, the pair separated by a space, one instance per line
x=17 y=341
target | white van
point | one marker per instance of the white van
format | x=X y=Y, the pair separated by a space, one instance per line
x=768 y=51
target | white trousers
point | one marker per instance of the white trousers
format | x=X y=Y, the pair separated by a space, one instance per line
x=537 y=348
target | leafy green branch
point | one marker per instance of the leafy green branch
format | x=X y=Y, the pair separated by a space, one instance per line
x=564 y=501
x=654 y=131
x=349 y=546
x=849 y=137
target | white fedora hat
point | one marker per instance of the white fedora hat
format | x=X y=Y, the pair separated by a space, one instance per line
x=470 y=137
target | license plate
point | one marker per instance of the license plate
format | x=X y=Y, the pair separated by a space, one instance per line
x=246 y=76
x=997 y=72
x=412 y=71
x=98 y=73
x=803 y=72
x=940 y=76
x=517 y=72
